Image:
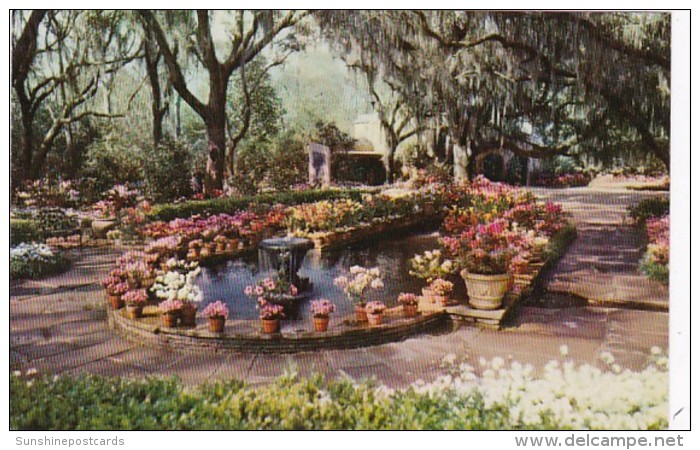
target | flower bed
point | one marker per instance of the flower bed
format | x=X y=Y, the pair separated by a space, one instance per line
x=566 y=180
x=35 y=260
x=504 y=396
x=655 y=262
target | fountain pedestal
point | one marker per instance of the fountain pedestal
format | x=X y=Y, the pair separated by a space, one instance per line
x=285 y=256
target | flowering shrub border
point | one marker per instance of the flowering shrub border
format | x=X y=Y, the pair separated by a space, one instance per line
x=508 y=395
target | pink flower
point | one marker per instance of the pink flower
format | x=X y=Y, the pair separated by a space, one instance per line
x=216 y=309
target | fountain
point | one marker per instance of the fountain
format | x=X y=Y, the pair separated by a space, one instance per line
x=285 y=256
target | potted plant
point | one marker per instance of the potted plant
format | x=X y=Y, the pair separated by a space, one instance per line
x=171 y=312
x=322 y=309
x=220 y=242
x=135 y=300
x=273 y=290
x=270 y=315
x=485 y=253
x=194 y=249
x=441 y=290
x=375 y=313
x=216 y=313
x=115 y=288
x=410 y=304
x=430 y=266
x=175 y=284
x=357 y=285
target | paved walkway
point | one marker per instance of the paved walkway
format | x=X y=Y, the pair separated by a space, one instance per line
x=601 y=266
x=58 y=325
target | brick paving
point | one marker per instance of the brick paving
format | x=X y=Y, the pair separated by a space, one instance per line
x=58 y=324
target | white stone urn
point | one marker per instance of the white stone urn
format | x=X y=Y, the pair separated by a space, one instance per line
x=486 y=291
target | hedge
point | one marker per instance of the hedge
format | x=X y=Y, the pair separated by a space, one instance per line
x=25 y=230
x=170 y=211
x=649 y=207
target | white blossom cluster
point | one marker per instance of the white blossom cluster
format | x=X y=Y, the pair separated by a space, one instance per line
x=569 y=395
x=31 y=252
x=174 y=285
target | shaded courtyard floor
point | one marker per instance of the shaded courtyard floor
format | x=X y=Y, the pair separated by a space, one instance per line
x=58 y=324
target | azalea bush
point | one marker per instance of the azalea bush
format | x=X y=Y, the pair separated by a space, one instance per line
x=271 y=289
x=359 y=282
x=35 y=260
x=408 y=299
x=430 y=265
x=269 y=311
x=375 y=307
x=322 y=307
x=47 y=193
x=324 y=215
x=655 y=262
x=216 y=309
x=487 y=249
x=177 y=285
x=507 y=395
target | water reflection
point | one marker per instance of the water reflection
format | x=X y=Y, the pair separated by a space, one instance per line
x=227 y=281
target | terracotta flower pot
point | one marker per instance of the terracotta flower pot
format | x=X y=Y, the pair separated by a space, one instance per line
x=270 y=326
x=410 y=310
x=321 y=323
x=115 y=301
x=220 y=247
x=360 y=313
x=170 y=319
x=442 y=300
x=192 y=254
x=232 y=245
x=375 y=319
x=486 y=291
x=134 y=311
x=188 y=316
x=216 y=324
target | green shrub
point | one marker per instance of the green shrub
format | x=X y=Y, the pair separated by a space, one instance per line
x=113 y=159
x=34 y=261
x=653 y=270
x=24 y=230
x=649 y=207
x=167 y=171
x=170 y=211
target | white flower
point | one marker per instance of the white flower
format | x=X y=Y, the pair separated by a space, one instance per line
x=607 y=358
x=564 y=350
x=655 y=350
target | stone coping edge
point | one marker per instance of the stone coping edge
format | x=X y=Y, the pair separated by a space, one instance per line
x=281 y=342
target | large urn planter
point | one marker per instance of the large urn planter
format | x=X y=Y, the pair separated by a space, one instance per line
x=486 y=291
x=100 y=227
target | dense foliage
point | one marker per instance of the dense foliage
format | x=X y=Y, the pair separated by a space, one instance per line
x=35 y=261
x=649 y=208
x=506 y=396
x=189 y=208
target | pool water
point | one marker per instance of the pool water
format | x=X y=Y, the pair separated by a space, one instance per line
x=226 y=281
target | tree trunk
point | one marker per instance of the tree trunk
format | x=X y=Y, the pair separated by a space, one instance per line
x=216 y=134
x=390 y=164
x=27 y=141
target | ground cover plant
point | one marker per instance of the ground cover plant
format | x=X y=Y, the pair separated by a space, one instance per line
x=507 y=395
